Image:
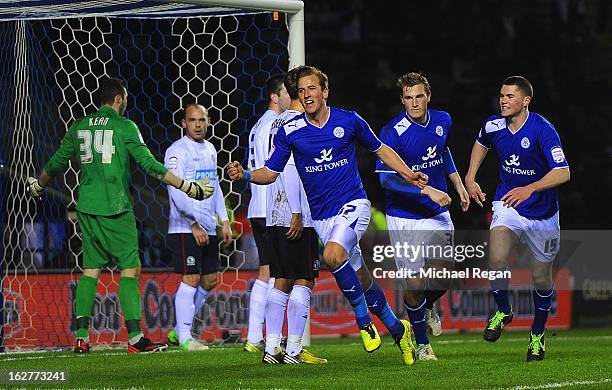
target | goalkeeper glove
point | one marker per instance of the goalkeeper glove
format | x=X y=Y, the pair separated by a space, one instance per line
x=197 y=190
x=34 y=188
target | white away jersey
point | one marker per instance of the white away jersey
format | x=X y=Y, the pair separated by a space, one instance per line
x=286 y=195
x=325 y=158
x=194 y=161
x=259 y=148
x=525 y=157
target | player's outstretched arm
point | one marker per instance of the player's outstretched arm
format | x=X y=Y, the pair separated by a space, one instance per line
x=36 y=187
x=394 y=161
x=479 y=152
x=260 y=176
x=552 y=179
x=197 y=190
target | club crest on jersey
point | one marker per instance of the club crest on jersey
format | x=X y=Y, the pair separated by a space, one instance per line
x=439 y=130
x=525 y=142
x=190 y=261
x=326 y=155
x=514 y=161
x=339 y=132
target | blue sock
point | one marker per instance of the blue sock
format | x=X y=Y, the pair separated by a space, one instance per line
x=377 y=303
x=349 y=284
x=542 y=301
x=499 y=289
x=417 y=319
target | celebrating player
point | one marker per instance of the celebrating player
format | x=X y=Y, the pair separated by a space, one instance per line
x=323 y=144
x=193 y=224
x=525 y=206
x=259 y=148
x=103 y=141
x=294 y=260
x=416 y=216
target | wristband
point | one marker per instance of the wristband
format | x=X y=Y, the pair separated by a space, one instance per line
x=247 y=175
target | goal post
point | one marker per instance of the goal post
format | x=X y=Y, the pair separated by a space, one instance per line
x=170 y=54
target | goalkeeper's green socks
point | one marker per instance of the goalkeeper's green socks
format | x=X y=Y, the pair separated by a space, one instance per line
x=85 y=296
x=129 y=297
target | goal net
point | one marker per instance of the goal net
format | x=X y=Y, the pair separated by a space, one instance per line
x=51 y=60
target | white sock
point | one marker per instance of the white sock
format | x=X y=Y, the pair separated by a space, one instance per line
x=200 y=298
x=257 y=309
x=297 y=315
x=275 y=315
x=270 y=285
x=184 y=309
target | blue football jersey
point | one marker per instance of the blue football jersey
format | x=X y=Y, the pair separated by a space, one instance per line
x=325 y=158
x=423 y=148
x=525 y=157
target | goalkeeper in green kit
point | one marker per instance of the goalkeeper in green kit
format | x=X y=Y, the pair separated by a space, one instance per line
x=103 y=142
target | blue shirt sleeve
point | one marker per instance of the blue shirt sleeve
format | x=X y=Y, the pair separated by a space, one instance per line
x=393 y=182
x=552 y=149
x=449 y=164
x=281 y=151
x=365 y=135
x=483 y=138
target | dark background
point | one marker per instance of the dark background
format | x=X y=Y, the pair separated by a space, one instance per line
x=466 y=50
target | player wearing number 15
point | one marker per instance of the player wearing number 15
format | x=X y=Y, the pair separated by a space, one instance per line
x=103 y=142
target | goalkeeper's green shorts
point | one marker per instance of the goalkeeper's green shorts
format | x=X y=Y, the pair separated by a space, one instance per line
x=109 y=238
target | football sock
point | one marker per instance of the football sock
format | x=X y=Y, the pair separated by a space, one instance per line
x=184 y=309
x=257 y=309
x=377 y=303
x=270 y=286
x=200 y=298
x=499 y=289
x=129 y=297
x=349 y=284
x=542 y=301
x=275 y=315
x=417 y=319
x=297 y=315
x=85 y=297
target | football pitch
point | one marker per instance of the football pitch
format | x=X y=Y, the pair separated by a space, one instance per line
x=574 y=359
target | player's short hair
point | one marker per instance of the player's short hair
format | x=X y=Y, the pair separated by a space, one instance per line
x=273 y=85
x=521 y=83
x=411 y=79
x=291 y=79
x=108 y=89
x=310 y=71
x=184 y=113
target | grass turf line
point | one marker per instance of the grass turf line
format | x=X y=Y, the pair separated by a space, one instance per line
x=466 y=362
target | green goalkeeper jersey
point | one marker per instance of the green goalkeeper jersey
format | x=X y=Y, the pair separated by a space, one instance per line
x=102 y=142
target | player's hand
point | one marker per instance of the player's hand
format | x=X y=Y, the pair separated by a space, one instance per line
x=418 y=179
x=516 y=196
x=475 y=192
x=197 y=190
x=437 y=196
x=295 y=227
x=463 y=196
x=207 y=189
x=227 y=234
x=34 y=188
x=235 y=171
x=200 y=235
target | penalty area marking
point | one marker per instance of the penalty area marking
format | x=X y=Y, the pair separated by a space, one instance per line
x=558 y=385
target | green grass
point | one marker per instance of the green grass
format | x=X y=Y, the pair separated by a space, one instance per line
x=582 y=358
